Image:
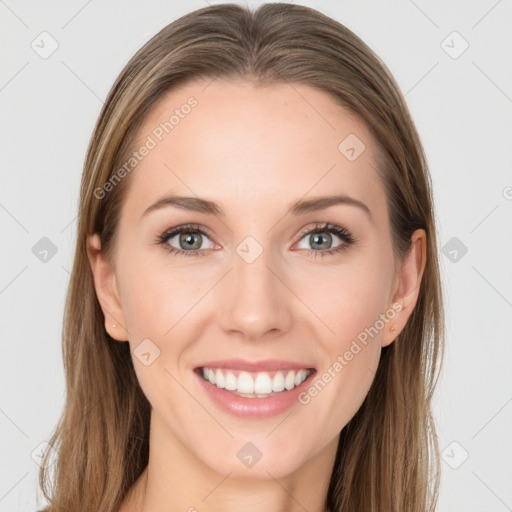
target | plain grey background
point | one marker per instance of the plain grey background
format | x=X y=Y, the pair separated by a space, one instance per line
x=451 y=60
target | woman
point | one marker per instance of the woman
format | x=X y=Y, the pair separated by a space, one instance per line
x=254 y=319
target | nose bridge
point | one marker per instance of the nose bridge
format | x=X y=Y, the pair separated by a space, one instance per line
x=254 y=302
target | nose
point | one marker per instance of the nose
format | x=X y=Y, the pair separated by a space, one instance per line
x=254 y=301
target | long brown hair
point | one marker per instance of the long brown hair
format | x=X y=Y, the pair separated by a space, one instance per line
x=388 y=456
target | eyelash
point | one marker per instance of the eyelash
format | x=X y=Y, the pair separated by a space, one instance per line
x=347 y=238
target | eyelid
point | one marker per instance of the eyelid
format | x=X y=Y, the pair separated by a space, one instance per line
x=319 y=227
x=193 y=228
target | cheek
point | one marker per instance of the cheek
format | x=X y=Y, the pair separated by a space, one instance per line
x=161 y=303
x=158 y=308
x=347 y=298
x=350 y=301
x=350 y=355
x=353 y=301
x=157 y=294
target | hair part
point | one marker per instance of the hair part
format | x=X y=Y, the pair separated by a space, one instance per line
x=388 y=456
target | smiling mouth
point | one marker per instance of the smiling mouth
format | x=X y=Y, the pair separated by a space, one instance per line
x=250 y=384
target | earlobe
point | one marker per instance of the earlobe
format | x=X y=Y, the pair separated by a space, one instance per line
x=408 y=285
x=105 y=285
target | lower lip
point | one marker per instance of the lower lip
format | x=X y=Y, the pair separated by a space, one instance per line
x=253 y=407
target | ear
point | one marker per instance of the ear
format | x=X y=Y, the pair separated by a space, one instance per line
x=106 y=289
x=407 y=285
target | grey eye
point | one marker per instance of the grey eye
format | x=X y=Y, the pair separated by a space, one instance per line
x=189 y=241
x=320 y=240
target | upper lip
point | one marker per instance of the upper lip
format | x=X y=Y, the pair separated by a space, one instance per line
x=255 y=366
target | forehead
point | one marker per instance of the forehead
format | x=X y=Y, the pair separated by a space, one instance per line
x=246 y=146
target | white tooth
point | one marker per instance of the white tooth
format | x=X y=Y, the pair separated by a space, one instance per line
x=230 y=382
x=278 y=382
x=300 y=377
x=261 y=387
x=219 y=379
x=245 y=383
x=263 y=384
x=290 y=380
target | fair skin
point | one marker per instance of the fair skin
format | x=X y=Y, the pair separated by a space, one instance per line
x=253 y=151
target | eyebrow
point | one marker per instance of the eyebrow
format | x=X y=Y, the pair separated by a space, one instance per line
x=300 y=207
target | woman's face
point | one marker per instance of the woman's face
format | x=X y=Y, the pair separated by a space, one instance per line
x=254 y=293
